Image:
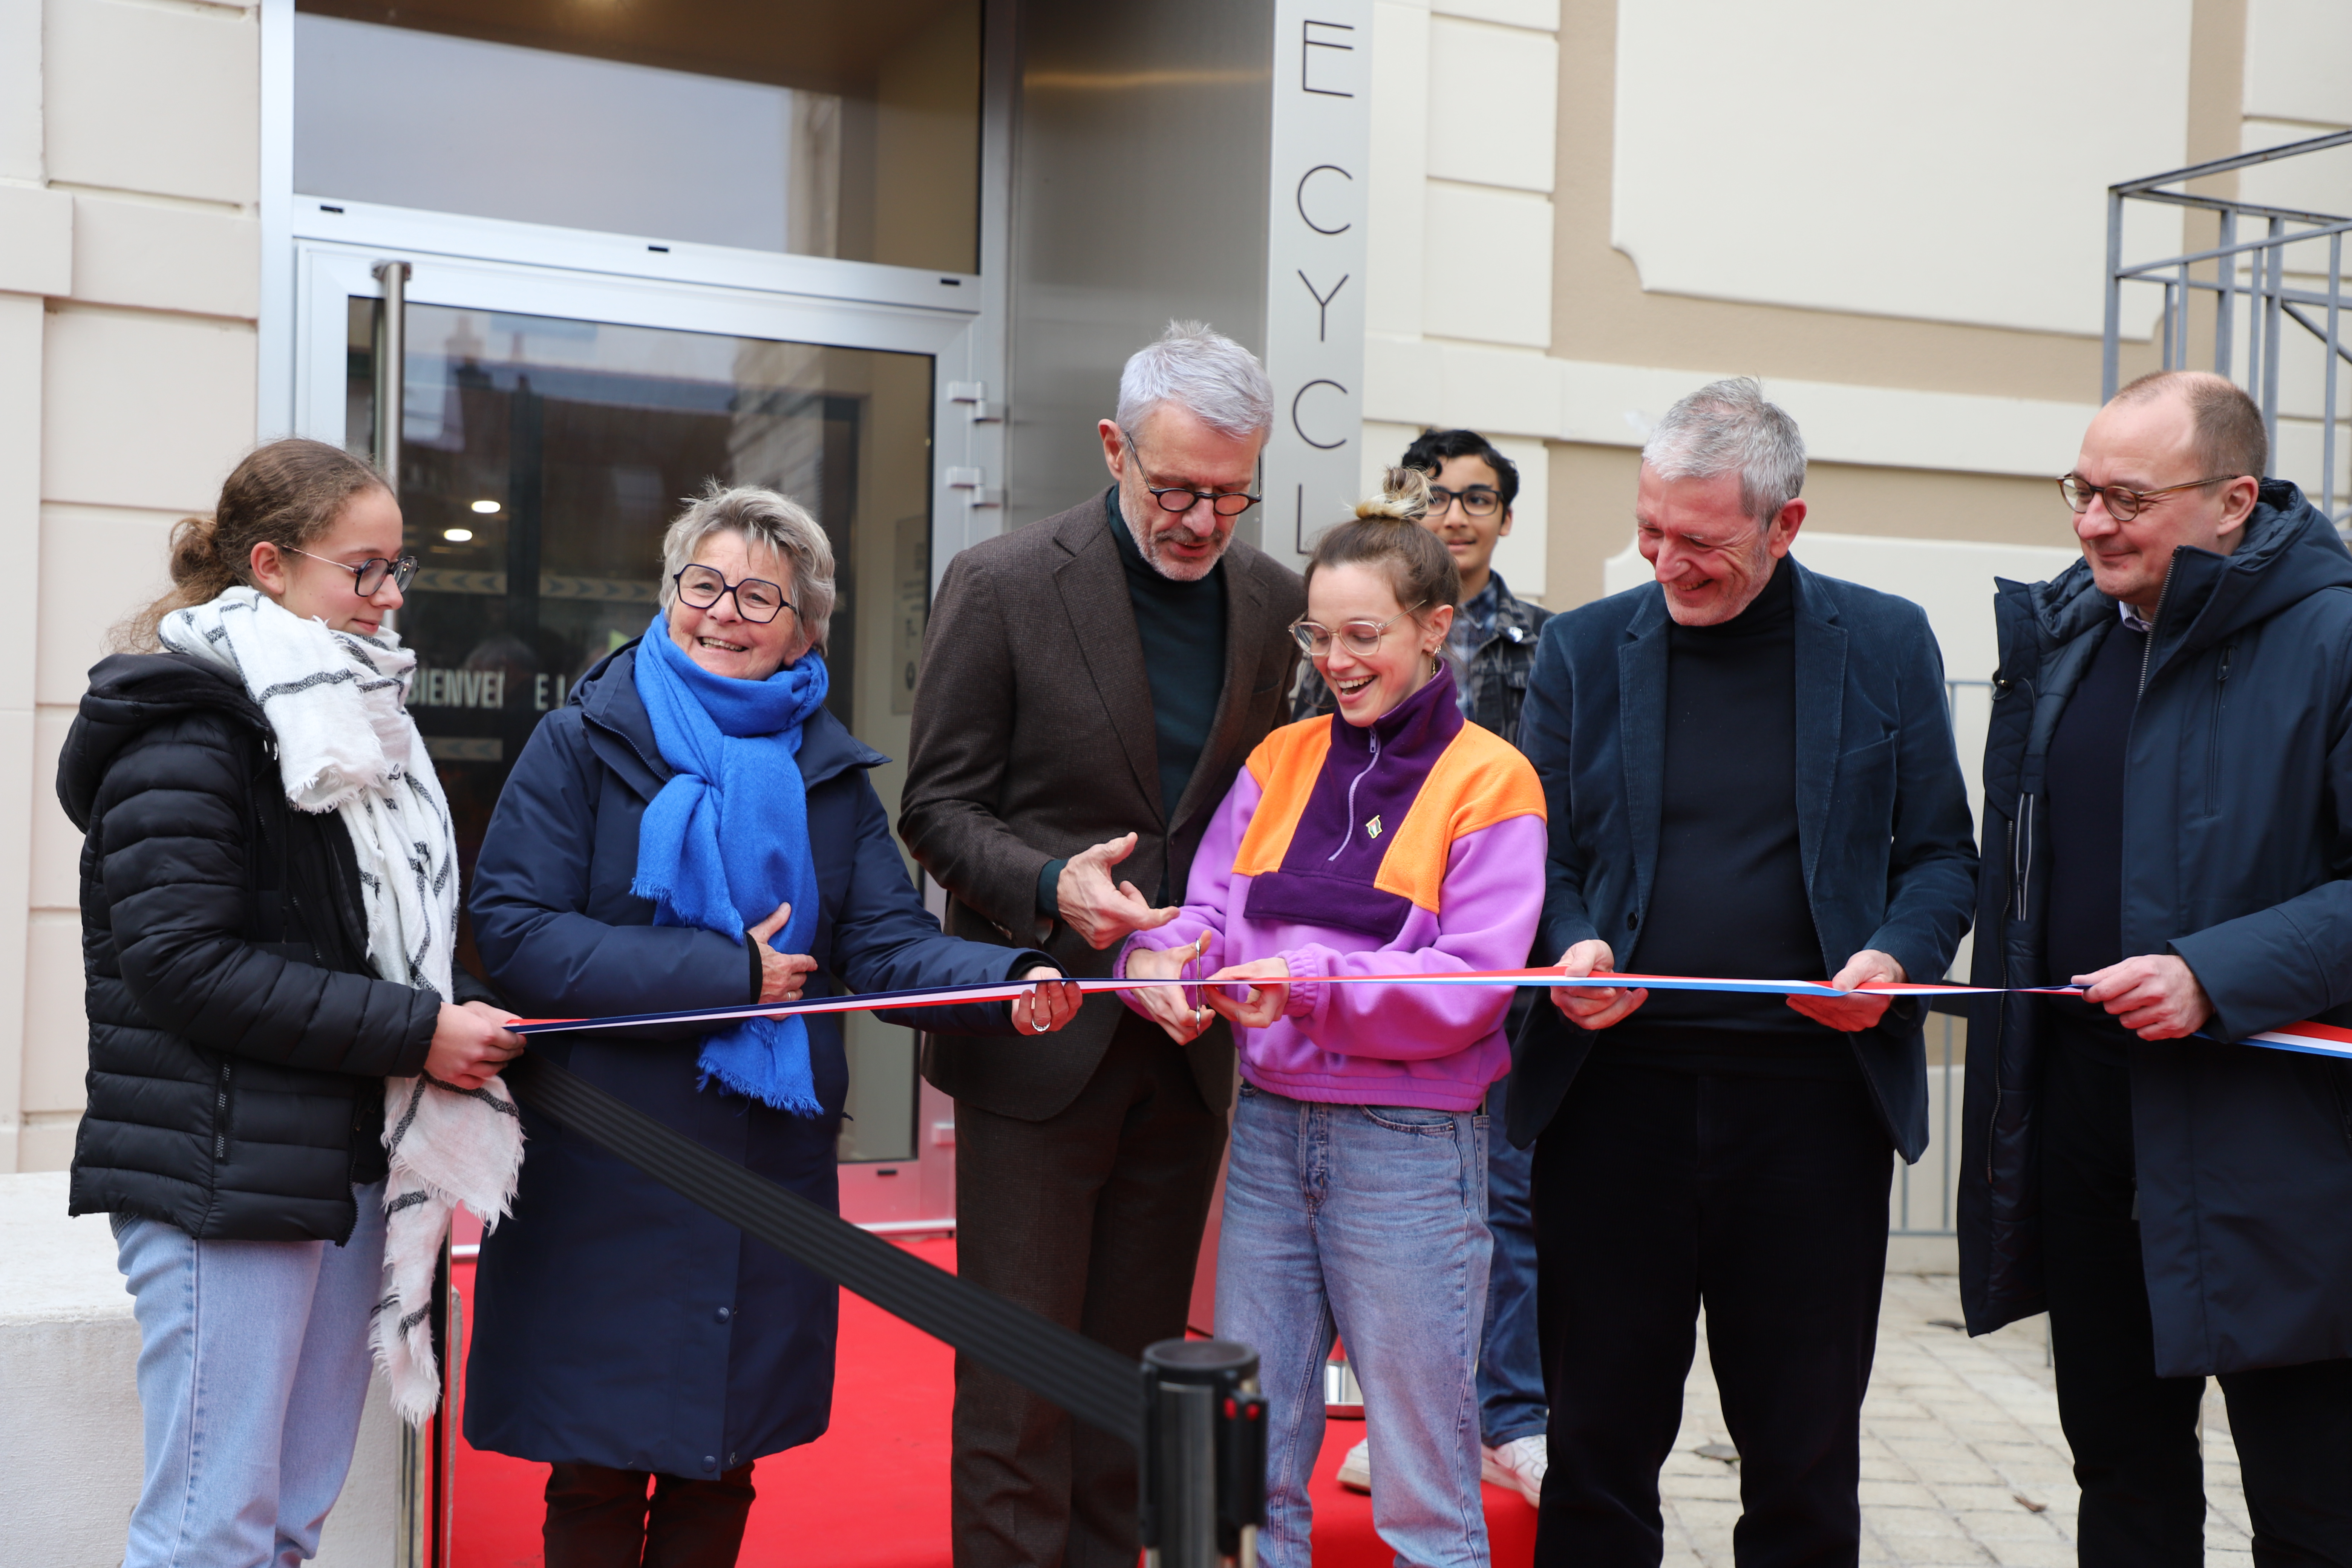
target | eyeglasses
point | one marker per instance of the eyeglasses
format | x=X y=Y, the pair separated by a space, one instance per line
x=1476 y=502
x=1183 y=498
x=757 y=600
x=369 y=574
x=2123 y=505
x=1358 y=638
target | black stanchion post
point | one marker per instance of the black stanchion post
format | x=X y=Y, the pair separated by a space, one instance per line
x=1203 y=1491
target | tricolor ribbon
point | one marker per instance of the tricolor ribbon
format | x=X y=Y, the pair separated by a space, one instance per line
x=2316 y=1039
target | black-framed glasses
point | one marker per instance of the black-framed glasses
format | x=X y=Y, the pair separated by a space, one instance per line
x=1225 y=503
x=368 y=575
x=1361 y=638
x=756 y=599
x=2124 y=505
x=1478 y=501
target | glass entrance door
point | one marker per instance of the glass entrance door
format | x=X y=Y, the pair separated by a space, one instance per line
x=542 y=456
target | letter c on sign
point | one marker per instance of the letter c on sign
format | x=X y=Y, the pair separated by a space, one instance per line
x=1300 y=396
x=1301 y=196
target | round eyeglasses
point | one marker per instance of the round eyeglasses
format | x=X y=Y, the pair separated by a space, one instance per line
x=368 y=576
x=757 y=600
x=2123 y=505
x=1361 y=638
x=1184 y=497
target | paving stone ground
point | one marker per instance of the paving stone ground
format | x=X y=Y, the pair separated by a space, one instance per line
x=1962 y=1459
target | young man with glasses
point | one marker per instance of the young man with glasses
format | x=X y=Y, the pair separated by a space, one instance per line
x=1493 y=646
x=1090 y=685
x=2165 y=824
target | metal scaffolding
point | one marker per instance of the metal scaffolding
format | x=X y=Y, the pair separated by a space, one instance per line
x=2255 y=293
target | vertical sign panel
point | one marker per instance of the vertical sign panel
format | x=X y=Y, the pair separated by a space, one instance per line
x=1315 y=266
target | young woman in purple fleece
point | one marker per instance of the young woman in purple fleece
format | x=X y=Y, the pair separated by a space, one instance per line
x=1392 y=838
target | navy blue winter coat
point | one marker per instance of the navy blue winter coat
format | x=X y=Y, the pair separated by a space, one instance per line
x=1882 y=812
x=2237 y=827
x=615 y=1324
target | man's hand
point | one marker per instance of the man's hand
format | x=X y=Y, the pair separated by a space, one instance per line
x=1054 y=1004
x=782 y=974
x=1103 y=914
x=2156 y=996
x=1593 y=1008
x=469 y=1047
x=1263 y=1004
x=1165 y=1005
x=1853 y=1014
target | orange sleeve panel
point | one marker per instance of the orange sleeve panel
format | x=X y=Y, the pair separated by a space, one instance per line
x=1480 y=781
x=1285 y=766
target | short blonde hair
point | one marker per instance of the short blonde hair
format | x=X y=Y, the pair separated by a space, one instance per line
x=763 y=518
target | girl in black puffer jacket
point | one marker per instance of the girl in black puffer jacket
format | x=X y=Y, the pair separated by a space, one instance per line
x=268 y=893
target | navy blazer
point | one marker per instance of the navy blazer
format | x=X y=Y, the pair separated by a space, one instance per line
x=617 y=1323
x=1882 y=812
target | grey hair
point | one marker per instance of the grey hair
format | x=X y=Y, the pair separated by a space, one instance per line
x=765 y=519
x=1198 y=368
x=1727 y=426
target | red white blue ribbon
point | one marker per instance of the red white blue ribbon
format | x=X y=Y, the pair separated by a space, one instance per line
x=2316 y=1039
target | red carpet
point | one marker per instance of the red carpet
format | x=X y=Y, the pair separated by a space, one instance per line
x=873 y=1492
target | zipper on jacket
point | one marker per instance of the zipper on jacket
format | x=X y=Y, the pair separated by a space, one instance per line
x=2147 y=654
x=220 y=1115
x=2214 y=744
x=1349 y=837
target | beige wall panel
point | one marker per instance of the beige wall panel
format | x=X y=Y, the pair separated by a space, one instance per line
x=56 y=881
x=167 y=257
x=36 y=238
x=1383 y=445
x=98 y=565
x=2297 y=57
x=165 y=99
x=1493 y=95
x=1541 y=14
x=2316 y=181
x=1601 y=314
x=46 y=1142
x=57 y=1031
x=1916 y=503
x=1591 y=508
x=1960 y=187
x=20 y=96
x=1498 y=288
x=144 y=411
x=23 y=330
x=1395 y=218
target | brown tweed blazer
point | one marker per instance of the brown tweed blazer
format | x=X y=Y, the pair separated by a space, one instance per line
x=1033 y=739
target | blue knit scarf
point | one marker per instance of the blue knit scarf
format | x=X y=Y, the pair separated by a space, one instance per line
x=726 y=839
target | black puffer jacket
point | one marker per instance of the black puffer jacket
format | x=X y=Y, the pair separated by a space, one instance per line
x=239 y=1040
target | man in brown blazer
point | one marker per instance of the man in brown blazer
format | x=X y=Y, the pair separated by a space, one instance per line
x=1090 y=685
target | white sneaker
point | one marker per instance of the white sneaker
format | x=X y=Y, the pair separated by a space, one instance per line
x=1520 y=1463
x=1356 y=1469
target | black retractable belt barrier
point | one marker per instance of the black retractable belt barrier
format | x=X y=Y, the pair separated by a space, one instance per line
x=1092 y=1382
x=1195 y=1416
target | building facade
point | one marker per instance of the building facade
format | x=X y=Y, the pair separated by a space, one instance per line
x=889 y=257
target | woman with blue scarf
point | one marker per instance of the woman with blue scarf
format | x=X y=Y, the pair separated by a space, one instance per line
x=693 y=829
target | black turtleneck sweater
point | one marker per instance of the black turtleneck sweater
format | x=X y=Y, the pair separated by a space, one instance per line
x=1182 y=627
x=1728 y=897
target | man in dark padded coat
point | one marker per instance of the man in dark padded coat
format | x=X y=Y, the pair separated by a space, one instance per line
x=2168 y=819
x=1090 y=685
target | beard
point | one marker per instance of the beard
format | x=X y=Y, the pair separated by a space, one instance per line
x=1153 y=541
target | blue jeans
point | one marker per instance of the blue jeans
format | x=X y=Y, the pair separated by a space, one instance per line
x=1510 y=1366
x=253 y=1368
x=1373 y=1220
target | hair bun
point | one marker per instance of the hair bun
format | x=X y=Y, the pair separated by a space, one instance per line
x=195 y=551
x=1403 y=497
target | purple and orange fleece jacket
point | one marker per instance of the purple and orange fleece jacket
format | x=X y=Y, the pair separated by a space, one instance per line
x=1414 y=845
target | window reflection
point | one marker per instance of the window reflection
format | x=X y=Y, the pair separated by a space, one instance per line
x=802 y=126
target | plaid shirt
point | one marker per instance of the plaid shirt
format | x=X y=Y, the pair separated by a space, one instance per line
x=1494 y=678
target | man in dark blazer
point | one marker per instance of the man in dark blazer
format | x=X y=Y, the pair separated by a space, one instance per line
x=1749 y=773
x=1090 y=685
